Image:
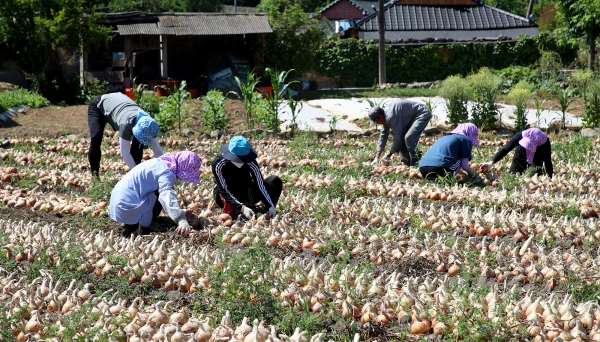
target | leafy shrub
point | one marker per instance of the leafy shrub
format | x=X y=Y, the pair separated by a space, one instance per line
x=550 y=65
x=456 y=91
x=485 y=86
x=295 y=108
x=354 y=61
x=514 y=74
x=519 y=95
x=214 y=111
x=591 y=117
x=19 y=96
x=94 y=89
x=149 y=103
x=170 y=111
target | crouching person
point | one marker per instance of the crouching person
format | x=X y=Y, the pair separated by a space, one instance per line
x=239 y=184
x=147 y=189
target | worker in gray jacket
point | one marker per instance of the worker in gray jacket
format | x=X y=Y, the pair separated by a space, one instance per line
x=407 y=120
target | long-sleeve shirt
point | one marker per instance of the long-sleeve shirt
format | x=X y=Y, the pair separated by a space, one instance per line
x=232 y=182
x=398 y=116
x=133 y=197
x=125 y=147
x=121 y=113
x=542 y=156
x=448 y=152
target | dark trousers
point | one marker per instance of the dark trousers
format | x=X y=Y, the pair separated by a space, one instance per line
x=273 y=185
x=97 y=121
x=433 y=172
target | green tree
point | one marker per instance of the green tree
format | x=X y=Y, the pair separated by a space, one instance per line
x=197 y=6
x=151 y=6
x=518 y=7
x=582 y=20
x=296 y=38
x=39 y=30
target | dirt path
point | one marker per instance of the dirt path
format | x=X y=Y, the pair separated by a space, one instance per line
x=48 y=122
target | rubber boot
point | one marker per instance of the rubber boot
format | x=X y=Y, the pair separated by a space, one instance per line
x=228 y=208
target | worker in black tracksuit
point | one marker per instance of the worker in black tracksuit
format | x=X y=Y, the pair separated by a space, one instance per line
x=239 y=184
x=532 y=149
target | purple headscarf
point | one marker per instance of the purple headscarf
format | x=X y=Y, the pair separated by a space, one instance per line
x=468 y=129
x=532 y=138
x=185 y=165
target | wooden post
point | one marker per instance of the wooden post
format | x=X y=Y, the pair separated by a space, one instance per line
x=164 y=66
x=381 y=30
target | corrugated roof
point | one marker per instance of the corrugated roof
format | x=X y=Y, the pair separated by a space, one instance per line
x=201 y=24
x=134 y=29
x=400 y=17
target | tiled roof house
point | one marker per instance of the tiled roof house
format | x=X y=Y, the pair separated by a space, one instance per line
x=442 y=21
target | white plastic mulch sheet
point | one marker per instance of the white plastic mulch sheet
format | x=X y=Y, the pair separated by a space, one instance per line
x=317 y=115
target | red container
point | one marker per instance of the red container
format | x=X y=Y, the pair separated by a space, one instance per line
x=193 y=93
x=169 y=82
x=265 y=90
x=162 y=92
x=129 y=92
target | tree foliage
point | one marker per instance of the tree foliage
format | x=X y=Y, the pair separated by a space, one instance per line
x=45 y=34
x=582 y=20
x=518 y=7
x=296 y=38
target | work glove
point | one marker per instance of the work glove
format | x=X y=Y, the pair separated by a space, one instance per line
x=485 y=167
x=385 y=161
x=247 y=212
x=271 y=214
x=375 y=161
x=183 y=227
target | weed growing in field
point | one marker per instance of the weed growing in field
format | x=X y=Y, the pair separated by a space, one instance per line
x=243 y=286
x=100 y=191
x=575 y=151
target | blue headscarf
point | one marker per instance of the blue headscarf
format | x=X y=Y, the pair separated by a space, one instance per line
x=145 y=129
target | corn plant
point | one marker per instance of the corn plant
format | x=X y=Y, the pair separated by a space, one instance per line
x=171 y=108
x=456 y=91
x=520 y=94
x=248 y=96
x=431 y=106
x=486 y=86
x=538 y=110
x=295 y=108
x=563 y=97
x=214 y=110
x=270 y=113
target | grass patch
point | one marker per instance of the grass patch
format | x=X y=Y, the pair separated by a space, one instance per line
x=100 y=190
x=576 y=150
x=19 y=96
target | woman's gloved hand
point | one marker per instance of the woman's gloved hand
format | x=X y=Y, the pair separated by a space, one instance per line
x=375 y=161
x=485 y=167
x=271 y=214
x=385 y=160
x=247 y=212
x=183 y=227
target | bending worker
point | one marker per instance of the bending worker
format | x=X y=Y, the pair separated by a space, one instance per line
x=532 y=149
x=450 y=153
x=136 y=129
x=239 y=184
x=407 y=120
x=140 y=196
